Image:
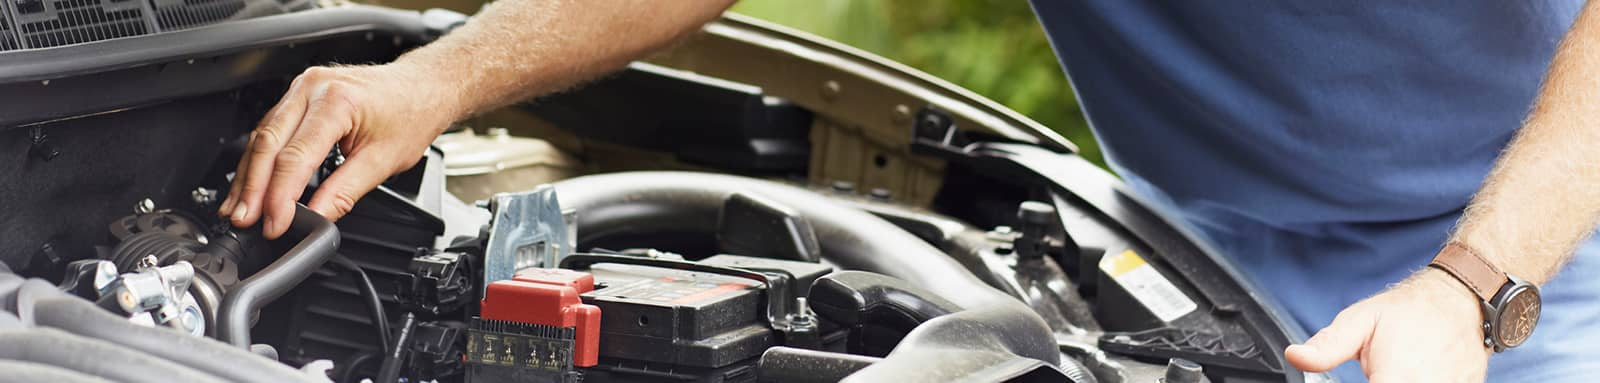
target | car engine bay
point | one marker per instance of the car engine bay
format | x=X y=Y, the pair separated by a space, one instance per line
x=755 y=205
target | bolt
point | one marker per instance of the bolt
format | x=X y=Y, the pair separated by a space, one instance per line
x=203 y=196
x=802 y=316
x=881 y=194
x=1002 y=234
x=831 y=90
x=145 y=206
x=844 y=186
x=499 y=134
x=147 y=262
x=902 y=114
x=191 y=320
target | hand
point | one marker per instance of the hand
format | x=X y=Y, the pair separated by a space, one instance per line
x=1426 y=329
x=382 y=118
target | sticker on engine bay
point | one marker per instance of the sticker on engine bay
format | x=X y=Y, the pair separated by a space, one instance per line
x=1147 y=285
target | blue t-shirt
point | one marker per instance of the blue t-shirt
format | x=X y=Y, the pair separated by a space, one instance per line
x=1327 y=146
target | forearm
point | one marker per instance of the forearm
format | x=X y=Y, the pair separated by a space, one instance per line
x=1543 y=196
x=518 y=49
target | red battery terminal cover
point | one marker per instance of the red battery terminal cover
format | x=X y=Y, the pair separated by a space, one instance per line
x=549 y=297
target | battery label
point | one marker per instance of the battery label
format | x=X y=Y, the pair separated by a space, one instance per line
x=675 y=290
x=1147 y=285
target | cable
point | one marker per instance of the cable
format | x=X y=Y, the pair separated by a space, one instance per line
x=380 y=319
x=389 y=372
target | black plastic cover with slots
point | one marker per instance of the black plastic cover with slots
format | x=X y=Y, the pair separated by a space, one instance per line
x=30 y=24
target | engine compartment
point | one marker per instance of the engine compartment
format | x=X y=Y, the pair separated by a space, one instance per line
x=696 y=217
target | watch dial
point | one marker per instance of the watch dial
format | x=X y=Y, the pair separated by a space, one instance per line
x=1518 y=317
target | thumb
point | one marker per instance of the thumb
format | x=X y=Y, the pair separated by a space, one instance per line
x=1339 y=342
x=353 y=179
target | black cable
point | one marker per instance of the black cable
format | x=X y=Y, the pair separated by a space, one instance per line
x=380 y=320
x=389 y=372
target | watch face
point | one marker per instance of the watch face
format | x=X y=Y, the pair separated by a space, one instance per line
x=1517 y=317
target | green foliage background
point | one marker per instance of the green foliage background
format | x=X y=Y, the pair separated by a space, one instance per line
x=994 y=48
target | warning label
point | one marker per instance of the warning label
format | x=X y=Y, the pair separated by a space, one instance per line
x=1147 y=285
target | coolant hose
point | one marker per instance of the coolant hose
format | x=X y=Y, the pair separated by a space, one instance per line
x=319 y=243
x=643 y=202
x=93 y=357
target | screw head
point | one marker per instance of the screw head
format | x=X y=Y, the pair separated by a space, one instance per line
x=831 y=90
x=145 y=206
x=844 y=186
x=500 y=134
x=902 y=114
x=203 y=196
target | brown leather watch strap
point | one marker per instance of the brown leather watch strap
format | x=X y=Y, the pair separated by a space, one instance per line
x=1478 y=274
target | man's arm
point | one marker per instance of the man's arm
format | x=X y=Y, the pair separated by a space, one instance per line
x=1543 y=197
x=518 y=49
x=383 y=117
x=1541 y=200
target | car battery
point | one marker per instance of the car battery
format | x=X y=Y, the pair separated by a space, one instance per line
x=679 y=318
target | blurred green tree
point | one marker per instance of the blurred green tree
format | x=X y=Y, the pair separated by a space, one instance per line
x=994 y=48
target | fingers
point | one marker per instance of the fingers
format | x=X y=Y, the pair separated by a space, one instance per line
x=328 y=116
x=250 y=179
x=339 y=193
x=1341 y=341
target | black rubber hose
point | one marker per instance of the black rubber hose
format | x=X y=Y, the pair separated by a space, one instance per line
x=320 y=241
x=380 y=320
x=83 y=318
x=26 y=372
x=94 y=357
x=676 y=202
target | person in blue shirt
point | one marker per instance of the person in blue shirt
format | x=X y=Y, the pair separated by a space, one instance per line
x=1332 y=148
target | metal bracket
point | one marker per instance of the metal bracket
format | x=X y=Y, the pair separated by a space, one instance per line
x=527 y=230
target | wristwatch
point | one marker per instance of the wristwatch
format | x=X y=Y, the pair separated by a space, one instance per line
x=1510 y=305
